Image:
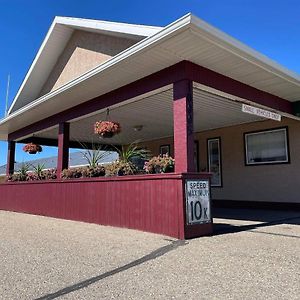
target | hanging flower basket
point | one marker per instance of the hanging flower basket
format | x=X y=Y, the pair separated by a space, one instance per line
x=32 y=148
x=107 y=129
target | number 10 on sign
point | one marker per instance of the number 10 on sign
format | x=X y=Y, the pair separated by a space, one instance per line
x=197 y=201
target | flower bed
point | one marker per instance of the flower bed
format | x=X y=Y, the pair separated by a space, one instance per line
x=83 y=172
x=160 y=164
x=33 y=175
x=156 y=165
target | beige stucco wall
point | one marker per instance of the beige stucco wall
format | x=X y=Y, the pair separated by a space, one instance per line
x=276 y=183
x=84 y=51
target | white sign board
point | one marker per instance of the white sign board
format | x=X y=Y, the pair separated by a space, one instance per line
x=261 y=112
x=197 y=201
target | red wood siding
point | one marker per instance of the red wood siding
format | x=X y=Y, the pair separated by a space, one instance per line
x=183 y=126
x=153 y=203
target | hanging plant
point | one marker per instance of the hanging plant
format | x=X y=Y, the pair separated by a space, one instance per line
x=107 y=128
x=32 y=148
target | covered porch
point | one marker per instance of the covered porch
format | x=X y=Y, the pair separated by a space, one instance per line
x=162 y=107
x=187 y=82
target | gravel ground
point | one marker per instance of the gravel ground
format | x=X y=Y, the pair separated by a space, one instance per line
x=253 y=255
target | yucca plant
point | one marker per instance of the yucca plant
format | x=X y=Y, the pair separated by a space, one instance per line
x=95 y=155
x=38 y=170
x=22 y=172
x=132 y=151
x=129 y=157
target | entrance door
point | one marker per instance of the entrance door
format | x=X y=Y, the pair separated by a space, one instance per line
x=214 y=161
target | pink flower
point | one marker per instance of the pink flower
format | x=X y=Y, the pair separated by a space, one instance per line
x=104 y=127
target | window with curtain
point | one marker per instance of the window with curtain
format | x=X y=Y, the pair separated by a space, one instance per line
x=267 y=147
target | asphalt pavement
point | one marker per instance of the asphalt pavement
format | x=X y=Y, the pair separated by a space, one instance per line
x=254 y=254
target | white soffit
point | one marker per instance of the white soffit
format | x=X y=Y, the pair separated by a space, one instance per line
x=188 y=38
x=211 y=111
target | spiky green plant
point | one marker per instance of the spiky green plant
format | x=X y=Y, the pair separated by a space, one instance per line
x=132 y=151
x=95 y=155
x=23 y=171
x=38 y=170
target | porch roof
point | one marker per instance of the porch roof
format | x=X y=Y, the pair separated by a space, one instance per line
x=150 y=117
x=188 y=38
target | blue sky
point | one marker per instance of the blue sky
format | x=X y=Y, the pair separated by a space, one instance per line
x=270 y=26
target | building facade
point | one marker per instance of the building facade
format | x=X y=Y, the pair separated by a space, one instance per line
x=221 y=109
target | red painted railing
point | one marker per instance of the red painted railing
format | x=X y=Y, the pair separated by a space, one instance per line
x=153 y=203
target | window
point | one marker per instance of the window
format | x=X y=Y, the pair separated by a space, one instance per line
x=214 y=161
x=267 y=147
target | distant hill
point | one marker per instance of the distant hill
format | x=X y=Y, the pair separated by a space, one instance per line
x=75 y=159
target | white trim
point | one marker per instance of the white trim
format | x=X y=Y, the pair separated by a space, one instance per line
x=238 y=48
x=33 y=64
x=107 y=26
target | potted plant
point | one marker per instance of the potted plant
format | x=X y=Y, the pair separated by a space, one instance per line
x=32 y=148
x=160 y=164
x=128 y=156
x=107 y=129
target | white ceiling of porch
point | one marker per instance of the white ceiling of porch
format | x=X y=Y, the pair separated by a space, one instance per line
x=155 y=113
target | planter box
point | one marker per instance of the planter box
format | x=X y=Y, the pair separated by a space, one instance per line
x=153 y=203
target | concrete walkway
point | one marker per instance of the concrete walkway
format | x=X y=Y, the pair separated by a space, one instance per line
x=254 y=255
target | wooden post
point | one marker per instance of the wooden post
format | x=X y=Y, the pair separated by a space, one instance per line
x=11 y=152
x=63 y=148
x=183 y=126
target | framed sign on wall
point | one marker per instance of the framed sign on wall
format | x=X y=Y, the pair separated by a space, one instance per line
x=165 y=149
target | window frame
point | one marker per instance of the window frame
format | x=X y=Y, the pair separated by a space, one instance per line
x=167 y=146
x=287 y=144
x=220 y=185
x=196 y=156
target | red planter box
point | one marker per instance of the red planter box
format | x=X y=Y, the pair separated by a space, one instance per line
x=153 y=203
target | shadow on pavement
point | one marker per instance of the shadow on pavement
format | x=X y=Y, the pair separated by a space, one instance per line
x=264 y=218
x=80 y=285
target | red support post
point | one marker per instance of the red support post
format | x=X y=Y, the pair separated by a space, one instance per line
x=11 y=152
x=63 y=147
x=183 y=126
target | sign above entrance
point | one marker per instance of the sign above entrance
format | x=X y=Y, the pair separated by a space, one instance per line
x=260 y=112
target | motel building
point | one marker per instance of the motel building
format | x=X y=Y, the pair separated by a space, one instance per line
x=227 y=114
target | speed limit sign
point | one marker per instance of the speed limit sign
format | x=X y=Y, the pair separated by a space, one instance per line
x=197 y=196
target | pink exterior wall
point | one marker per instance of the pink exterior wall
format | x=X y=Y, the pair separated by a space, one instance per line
x=84 y=51
x=153 y=203
x=270 y=183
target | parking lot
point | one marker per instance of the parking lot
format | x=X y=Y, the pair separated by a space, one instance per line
x=254 y=254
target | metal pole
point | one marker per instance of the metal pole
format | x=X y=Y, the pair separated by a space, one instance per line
x=7 y=94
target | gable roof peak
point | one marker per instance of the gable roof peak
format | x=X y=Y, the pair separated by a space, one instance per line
x=54 y=43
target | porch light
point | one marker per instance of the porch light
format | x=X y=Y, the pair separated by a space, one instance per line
x=138 y=127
